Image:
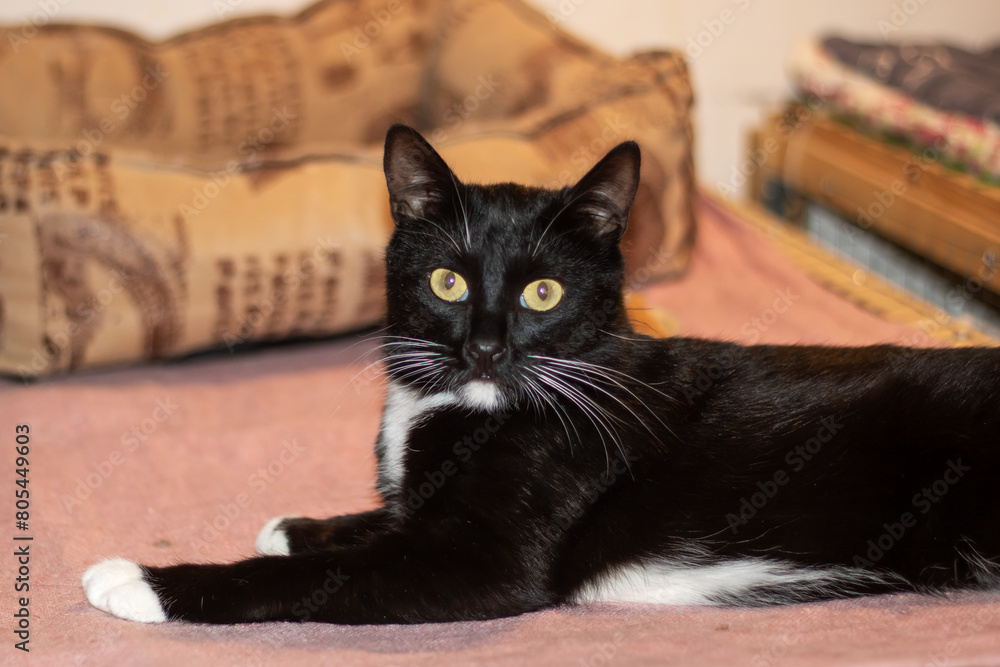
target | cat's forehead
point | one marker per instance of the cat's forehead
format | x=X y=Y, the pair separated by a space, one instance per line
x=513 y=197
x=492 y=232
x=508 y=214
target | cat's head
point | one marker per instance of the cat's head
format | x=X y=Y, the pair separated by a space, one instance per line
x=486 y=281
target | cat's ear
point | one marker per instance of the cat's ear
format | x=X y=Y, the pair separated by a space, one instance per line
x=605 y=194
x=417 y=177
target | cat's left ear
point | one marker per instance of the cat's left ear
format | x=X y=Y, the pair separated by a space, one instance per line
x=605 y=194
x=417 y=177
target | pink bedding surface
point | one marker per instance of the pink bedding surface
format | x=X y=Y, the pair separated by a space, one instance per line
x=185 y=462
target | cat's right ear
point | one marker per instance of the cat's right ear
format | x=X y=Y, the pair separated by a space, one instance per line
x=417 y=177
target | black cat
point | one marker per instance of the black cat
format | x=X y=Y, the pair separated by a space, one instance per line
x=528 y=458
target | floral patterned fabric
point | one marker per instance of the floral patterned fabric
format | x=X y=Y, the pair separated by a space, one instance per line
x=964 y=141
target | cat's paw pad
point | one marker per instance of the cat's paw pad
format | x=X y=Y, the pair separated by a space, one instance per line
x=273 y=540
x=117 y=587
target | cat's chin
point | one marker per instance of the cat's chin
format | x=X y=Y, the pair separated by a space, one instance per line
x=482 y=395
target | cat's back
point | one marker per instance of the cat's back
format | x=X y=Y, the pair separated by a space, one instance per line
x=716 y=392
x=693 y=366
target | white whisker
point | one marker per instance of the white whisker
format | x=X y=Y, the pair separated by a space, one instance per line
x=604 y=370
x=554 y=218
x=598 y=416
x=465 y=215
x=587 y=382
x=605 y=374
x=542 y=396
x=443 y=231
x=621 y=337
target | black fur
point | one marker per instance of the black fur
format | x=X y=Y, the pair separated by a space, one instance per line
x=868 y=469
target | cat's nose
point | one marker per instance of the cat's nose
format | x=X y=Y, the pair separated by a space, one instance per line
x=484 y=353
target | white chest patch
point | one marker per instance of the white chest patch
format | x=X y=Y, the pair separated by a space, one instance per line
x=404 y=409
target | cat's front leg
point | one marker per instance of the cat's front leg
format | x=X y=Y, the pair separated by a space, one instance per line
x=394 y=579
x=282 y=536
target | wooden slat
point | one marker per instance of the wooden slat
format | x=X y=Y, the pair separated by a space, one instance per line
x=948 y=217
x=855 y=283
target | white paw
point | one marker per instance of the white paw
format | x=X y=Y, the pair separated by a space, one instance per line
x=271 y=540
x=116 y=586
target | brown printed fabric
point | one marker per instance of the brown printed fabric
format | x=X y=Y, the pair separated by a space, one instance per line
x=224 y=186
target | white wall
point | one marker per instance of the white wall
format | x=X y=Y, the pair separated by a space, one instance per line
x=738 y=67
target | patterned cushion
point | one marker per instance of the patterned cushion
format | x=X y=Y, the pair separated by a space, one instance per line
x=224 y=186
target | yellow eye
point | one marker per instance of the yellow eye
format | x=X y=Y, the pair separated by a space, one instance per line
x=448 y=285
x=542 y=295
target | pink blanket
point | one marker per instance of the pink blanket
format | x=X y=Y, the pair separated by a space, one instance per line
x=186 y=461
